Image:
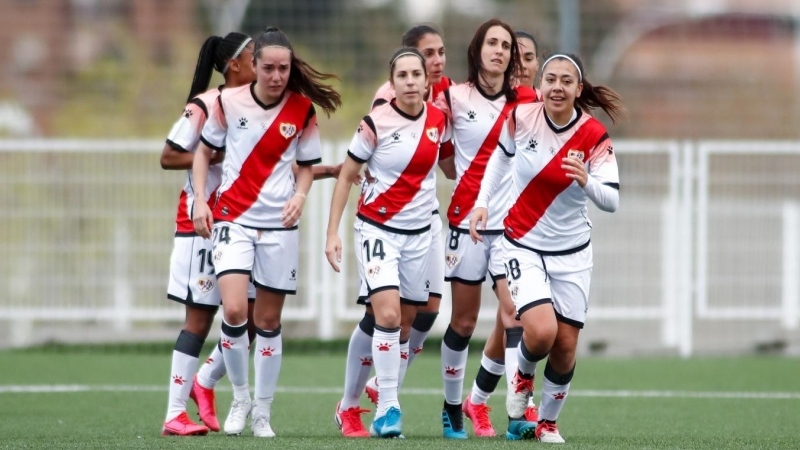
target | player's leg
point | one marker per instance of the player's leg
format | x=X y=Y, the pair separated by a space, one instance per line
x=357 y=369
x=529 y=285
x=570 y=287
x=234 y=250
x=408 y=312
x=192 y=283
x=426 y=314
x=466 y=265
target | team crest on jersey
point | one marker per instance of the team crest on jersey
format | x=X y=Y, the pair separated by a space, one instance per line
x=288 y=130
x=205 y=284
x=452 y=260
x=576 y=153
x=433 y=134
x=373 y=271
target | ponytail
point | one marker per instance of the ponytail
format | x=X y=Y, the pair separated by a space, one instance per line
x=205 y=67
x=303 y=78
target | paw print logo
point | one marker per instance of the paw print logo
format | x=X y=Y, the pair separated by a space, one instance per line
x=610 y=150
x=209 y=360
x=227 y=344
x=366 y=362
x=267 y=351
x=559 y=395
x=187 y=113
x=384 y=347
x=404 y=355
x=427 y=285
x=417 y=350
x=471 y=115
x=293 y=274
x=360 y=127
x=532 y=145
x=179 y=380
x=396 y=136
x=450 y=370
x=242 y=122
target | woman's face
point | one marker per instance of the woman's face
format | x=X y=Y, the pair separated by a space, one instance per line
x=560 y=87
x=496 y=51
x=530 y=61
x=273 y=68
x=432 y=48
x=409 y=80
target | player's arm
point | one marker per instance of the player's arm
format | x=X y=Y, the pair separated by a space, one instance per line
x=333 y=247
x=201 y=216
x=175 y=159
x=602 y=178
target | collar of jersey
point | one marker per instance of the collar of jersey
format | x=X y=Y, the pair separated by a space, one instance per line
x=487 y=96
x=567 y=126
x=393 y=103
x=259 y=102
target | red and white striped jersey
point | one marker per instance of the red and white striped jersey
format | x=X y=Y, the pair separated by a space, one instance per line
x=261 y=142
x=476 y=120
x=401 y=153
x=549 y=210
x=184 y=137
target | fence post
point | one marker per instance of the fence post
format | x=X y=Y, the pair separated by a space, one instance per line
x=791 y=265
x=686 y=237
x=122 y=290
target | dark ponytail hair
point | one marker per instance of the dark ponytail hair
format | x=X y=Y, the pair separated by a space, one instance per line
x=406 y=51
x=414 y=35
x=593 y=97
x=526 y=35
x=303 y=78
x=474 y=64
x=214 y=54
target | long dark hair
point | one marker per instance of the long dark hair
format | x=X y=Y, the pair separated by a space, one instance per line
x=214 y=55
x=474 y=65
x=303 y=78
x=593 y=97
x=414 y=35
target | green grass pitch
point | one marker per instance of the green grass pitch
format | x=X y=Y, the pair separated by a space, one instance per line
x=641 y=403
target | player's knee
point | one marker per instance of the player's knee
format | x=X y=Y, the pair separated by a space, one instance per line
x=464 y=322
x=235 y=313
x=388 y=318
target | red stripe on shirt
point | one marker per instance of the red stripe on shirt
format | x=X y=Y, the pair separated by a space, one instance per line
x=182 y=221
x=258 y=166
x=390 y=202
x=466 y=193
x=552 y=180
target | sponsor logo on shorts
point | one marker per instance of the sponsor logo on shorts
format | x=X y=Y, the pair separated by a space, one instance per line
x=373 y=271
x=288 y=130
x=452 y=260
x=576 y=153
x=293 y=275
x=224 y=210
x=382 y=210
x=514 y=289
x=427 y=285
x=217 y=256
x=206 y=285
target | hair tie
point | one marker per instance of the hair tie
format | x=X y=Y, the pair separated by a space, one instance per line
x=560 y=55
x=236 y=54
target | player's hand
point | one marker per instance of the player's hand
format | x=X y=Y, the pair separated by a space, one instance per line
x=202 y=219
x=333 y=251
x=575 y=170
x=216 y=158
x=369 y=177
x=479 y=218
x=293 y=210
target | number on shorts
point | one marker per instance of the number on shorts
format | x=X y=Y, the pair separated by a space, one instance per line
x=512 y=269
x=203 y=254
x=377 y=250
x=453 y=243
x=223 y=235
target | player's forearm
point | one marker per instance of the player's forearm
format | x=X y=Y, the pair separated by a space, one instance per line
x=172 y=159
x=323 y=172
x=604 y=197
x=499 y=164
x=341 y=191
x=305 y=176
x=200 y=165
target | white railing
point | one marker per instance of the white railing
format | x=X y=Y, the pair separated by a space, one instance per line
x=706 y=237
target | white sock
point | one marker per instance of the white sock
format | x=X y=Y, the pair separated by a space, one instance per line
x=419 y=332
x=212 y=370
x=404 y=362
x=525 y=366
x=486 y=381
x=184 y=363
x=513 y=337
x=386 y=354
x=235 y=352
x=454 y=361
x=555 y=389
x=267 y=360
x=358 y=363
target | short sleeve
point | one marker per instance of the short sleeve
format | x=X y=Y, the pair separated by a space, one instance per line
x=185 y=133
x=216 y=128
x=309 y=149
x=364 y=141
x=603 y=163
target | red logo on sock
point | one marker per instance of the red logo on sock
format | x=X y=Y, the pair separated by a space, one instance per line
x=450 y=370
x=417 y=350
x=366 y=361
x=209 y=360
x=179 y=380
x=384 y=347
x=403 y=355
x=267 y=351
x=559 y=395
x=227 y=344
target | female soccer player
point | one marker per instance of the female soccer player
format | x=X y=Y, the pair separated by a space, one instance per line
x=476 y=110
x=416 y=321
x=192 y=279
x=262 y=128
x=399 y=141
x=560 y=157
x=529 y=55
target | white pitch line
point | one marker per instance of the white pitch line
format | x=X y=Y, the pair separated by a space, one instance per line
x=60 y=388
